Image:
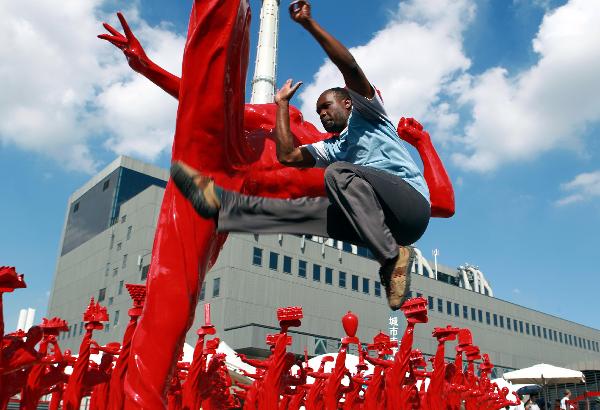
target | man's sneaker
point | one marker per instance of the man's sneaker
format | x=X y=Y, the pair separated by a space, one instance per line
x=200 y=190
x=396 y=277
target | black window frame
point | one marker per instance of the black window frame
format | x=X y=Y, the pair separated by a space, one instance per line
x=354 y=283
x=216 y=292
x=273 y=260
x=302 y=264
x=377 y=288
x=257 y=256
x=328 y=276
x=316 y=274
x=342 y=279
x=287 y=264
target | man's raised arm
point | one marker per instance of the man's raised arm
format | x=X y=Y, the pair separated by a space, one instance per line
x=287 y=153
x=354 y=76
x=137 y=58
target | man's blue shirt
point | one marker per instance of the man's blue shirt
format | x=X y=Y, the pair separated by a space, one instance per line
x=370 y=140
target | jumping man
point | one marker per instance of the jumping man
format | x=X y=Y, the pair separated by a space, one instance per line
x=376 y=195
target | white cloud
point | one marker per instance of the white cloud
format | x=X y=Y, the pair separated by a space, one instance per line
x=547 y=106
x=583 y=187
x=496 y=117
x=64 y=88
x=414 y=60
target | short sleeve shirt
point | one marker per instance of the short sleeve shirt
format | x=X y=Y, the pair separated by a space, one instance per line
x=370 y=140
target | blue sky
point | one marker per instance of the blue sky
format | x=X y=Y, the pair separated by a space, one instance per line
x=506 y=88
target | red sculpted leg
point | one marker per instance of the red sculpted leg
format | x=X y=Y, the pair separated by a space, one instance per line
x=209 y=121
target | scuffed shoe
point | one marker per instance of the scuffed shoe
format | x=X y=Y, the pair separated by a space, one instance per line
x=200 y=190
x=396 y=277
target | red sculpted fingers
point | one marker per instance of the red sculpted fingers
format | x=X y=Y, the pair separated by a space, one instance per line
x=128 y=43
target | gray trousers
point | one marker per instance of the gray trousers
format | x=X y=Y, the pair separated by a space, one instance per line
x=365 y=206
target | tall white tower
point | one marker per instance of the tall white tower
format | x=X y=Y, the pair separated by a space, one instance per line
x=265 y=70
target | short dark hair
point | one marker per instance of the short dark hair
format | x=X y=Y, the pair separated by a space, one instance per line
x=341 y=93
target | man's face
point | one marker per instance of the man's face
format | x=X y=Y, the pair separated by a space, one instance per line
x=333 y=111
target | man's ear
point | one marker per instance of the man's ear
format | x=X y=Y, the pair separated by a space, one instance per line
x=348 y=103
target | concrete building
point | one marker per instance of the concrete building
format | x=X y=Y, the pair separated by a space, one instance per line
x=107 y=241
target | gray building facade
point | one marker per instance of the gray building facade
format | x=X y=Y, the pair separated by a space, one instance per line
x=107 y=242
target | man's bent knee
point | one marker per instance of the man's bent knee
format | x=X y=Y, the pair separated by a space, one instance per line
x=333 y=171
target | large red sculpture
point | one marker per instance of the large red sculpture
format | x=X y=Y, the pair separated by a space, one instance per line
x=218 y=135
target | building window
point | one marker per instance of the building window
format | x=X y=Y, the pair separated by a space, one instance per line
x=273 y=260
x=116 y=320
x=560 y=339
x=555 y=338
x=107 y=269
x=377 y=287
x=121 y=284
x=516 y=329
x=203 y=291
x=119 y=246
x=480 y=315
x=456 y=310
x=527 y=328
x=317 y=273
x=473 y=314
x=495 y=320
x=106 y=184
x=508 y=323
x=107 y=328
x=112 y=241
x=129 y=229
x=80 y=328
x=366 y=286
x=123 y=219
x=521 y=326
x=145 y=270
x=101 y=295
x=342 y=280
x=115 y=271
x=74 y=329
x=430 y=302
x=533 y=330
x=302 y=268
x=355 y=283
x=419 y=295
x=257 y=257
x=287 y=265
x=76 y=207
x=216 y=287
x=329 y=276
x=448 y=307
x=124 y=265
x=110 y=300
x=465 y=312
x=440 y=305
x=488 y=318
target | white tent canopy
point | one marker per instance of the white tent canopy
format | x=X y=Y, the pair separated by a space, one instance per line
x=544 y=374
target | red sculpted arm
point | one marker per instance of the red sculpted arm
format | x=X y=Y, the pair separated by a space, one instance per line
x=440 y=187
x=137 y=58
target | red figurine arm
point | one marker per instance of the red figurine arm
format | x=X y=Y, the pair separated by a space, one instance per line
x=440 y=187
x=137 y=58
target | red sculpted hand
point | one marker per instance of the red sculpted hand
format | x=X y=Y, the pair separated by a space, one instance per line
x=411 y=131
x=128 y=43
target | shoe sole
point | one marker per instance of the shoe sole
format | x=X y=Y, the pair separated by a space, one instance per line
x=407 y=280
x=186 y=185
